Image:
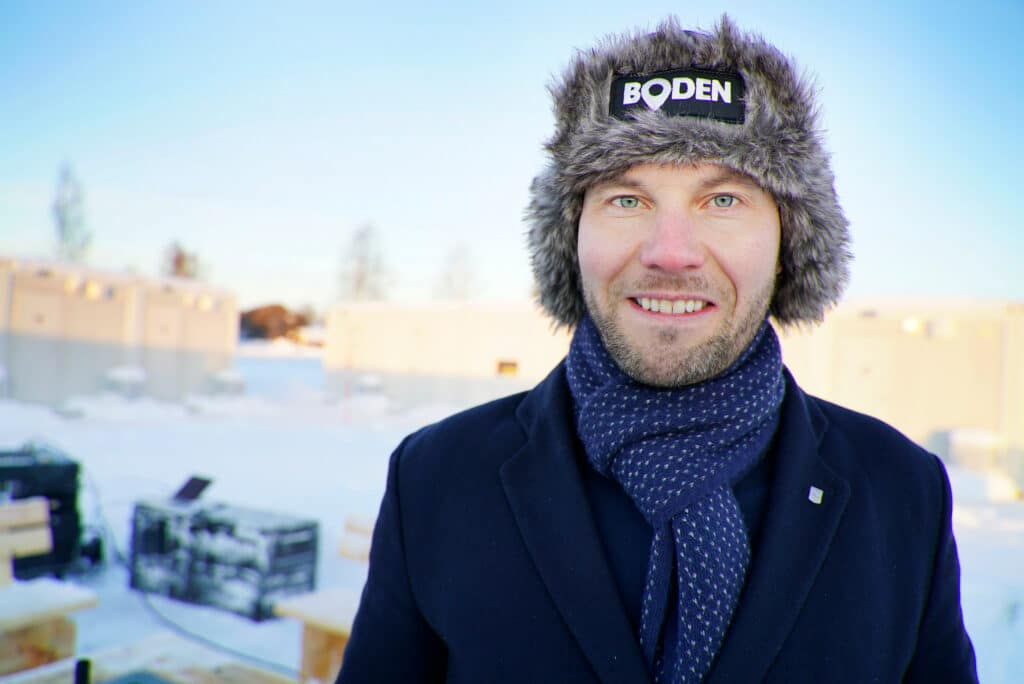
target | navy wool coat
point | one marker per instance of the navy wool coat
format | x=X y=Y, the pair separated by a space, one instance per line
x=486 y=564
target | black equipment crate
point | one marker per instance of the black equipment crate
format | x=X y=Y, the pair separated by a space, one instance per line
x=214 y=554
x=35 y=470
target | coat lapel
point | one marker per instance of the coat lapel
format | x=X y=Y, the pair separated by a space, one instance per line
x=797 y=529
x=546 y=494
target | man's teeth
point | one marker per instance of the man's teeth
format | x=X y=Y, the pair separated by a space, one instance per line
x=673 y=306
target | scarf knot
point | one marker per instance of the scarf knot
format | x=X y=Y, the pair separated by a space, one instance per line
x=676 y=453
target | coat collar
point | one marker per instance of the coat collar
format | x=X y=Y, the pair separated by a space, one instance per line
x=546 y=494
x=545 y=491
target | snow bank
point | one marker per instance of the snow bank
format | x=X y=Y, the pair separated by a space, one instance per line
x=285 y=445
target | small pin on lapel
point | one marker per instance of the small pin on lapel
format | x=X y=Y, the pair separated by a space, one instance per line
x=814 y=495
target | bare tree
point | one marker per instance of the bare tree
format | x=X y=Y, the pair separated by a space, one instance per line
x=73 y=239
x=457 y=278
x=180 y=263
x=363 y=274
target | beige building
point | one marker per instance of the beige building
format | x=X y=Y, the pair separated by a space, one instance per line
x=460 y=351
x=923 y=366
x=948 y=374
x=47 y=307
x=64 y=328
x=7 y=266
x=188 y=332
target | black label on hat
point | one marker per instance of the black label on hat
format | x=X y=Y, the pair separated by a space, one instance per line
x=680 y=92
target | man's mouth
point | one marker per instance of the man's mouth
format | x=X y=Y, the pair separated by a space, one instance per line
x=671 y=306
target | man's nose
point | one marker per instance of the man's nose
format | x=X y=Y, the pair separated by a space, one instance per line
x=674 y=243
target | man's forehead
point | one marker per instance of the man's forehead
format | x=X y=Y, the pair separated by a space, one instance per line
x=711 y=174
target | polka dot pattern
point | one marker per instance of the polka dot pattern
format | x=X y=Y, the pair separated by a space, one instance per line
x=677 y=453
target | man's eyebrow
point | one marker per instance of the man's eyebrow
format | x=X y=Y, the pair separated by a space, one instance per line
x=720 y=177
x=620 y=181
x=723 y=176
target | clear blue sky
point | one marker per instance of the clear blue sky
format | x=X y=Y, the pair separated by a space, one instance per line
x=261 y=137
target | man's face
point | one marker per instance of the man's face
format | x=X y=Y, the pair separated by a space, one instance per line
x=678 y=266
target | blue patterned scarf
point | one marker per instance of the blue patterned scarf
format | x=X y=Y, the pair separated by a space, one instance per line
x=677 y=453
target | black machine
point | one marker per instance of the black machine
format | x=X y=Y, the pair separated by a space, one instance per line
x=215 y=554
x=35 y=470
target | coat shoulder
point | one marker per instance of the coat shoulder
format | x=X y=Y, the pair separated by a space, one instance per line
x=465 y=439
x=869 y=449
x=864 y=429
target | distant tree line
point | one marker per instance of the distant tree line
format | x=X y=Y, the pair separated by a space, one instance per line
x=365 y=276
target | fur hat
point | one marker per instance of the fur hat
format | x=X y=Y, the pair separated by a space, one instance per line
x=773 y=139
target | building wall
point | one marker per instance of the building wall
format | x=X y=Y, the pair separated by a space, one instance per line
x=7 y=267
x=928 y=367
x=188 y=333
x=1012 y=395
x=184 y=315
x=925 y=367
x=442 y=349
x=67 y=327
x=457 y=339
x=6 y=277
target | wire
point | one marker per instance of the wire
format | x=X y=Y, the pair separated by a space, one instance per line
x=177 y=627
x=144 y=597
x=192 y=636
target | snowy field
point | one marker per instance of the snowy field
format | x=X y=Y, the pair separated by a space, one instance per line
x=286 y=446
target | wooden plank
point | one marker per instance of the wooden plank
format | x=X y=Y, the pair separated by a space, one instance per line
x=29 y=512
x=360 y=524
x=354 y=547
x=331 y=610
x=321 y=654
x=228 y=674
x=37 y=644
x=24 y=603
x=161 y=653
x=61 y=672
x=164 y=654
x=24 y=531
x=25 y=541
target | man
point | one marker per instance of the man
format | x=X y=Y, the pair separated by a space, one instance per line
x=668 y=505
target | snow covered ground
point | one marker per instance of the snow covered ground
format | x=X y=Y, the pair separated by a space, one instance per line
x=286 y=446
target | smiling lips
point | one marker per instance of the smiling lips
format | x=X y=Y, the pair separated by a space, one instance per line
x=671 y=306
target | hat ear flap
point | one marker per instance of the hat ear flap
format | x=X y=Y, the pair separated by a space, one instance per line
x=553 y=217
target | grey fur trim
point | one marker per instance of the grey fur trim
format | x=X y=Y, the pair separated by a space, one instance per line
x=778 y=144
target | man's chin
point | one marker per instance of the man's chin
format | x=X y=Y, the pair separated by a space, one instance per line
x=670 y=356
x=667 y=361
x=669 y=372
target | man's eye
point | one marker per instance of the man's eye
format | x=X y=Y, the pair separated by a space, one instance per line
x=626 y=202
x=723 y=201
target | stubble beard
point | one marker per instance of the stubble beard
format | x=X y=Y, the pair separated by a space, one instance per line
x=667 y=366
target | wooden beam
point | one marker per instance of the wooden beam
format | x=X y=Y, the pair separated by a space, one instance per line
x=322 y=652
x=38 y=644
x=25 y=541
x=24 y=531
x=29 y=512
